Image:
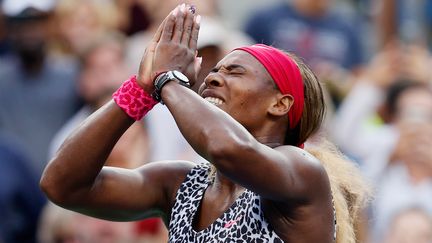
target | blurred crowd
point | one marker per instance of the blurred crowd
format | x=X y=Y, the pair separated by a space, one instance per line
x=60 y=60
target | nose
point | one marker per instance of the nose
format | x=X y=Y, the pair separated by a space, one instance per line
x=214 y=79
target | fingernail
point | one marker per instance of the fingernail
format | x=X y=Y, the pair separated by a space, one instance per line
x=198 y=19
x=183 y=8
x=200 y=60
x=192 y=8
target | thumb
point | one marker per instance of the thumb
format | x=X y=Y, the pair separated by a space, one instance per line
x=197 y=64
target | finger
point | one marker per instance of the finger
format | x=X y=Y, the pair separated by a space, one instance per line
x=168 y=28
x=195 y=31
x=197 y=64
x=178 y=28
x=158 y=33
x=187 y=28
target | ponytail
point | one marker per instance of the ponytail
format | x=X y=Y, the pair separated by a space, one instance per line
x=350 y=192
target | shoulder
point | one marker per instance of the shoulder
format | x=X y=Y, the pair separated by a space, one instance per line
x=300 y=156
x=308 y=169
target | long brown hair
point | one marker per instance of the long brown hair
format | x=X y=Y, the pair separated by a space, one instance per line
x=350 y=192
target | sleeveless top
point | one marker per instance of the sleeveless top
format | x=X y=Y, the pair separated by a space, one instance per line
x=244 y=220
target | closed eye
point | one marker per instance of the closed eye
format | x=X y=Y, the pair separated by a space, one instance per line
x=230 y=69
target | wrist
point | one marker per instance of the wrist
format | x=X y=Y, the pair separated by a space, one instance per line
x=146 y=85
x=166 y=77
x=133 y=99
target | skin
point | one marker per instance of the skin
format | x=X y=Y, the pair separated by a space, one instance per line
x=312 y=8
x=245 y=141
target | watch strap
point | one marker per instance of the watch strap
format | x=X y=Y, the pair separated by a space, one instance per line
x=161 y=80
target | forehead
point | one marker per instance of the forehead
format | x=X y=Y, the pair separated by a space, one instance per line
x=416 y=97
x=245 y=60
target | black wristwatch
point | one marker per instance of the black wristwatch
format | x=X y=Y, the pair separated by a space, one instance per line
x=164 y=78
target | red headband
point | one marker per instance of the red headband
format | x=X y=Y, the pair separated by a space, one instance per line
x=285 y=73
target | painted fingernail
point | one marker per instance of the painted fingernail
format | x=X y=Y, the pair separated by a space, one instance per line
x=175 y=12
x=192 y=8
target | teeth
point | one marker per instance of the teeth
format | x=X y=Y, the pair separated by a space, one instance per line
x=214 y=100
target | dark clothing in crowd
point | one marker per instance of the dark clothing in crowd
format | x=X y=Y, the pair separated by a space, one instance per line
x=34 y=106
x=20 y=197
x=327 y=38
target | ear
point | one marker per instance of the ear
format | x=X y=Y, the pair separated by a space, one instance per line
x=281 y=105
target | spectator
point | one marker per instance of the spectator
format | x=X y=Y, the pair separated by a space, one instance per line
x=410 y=225
x=310 y=29
x=80 y=22
x=3 y=44
x=133 y=18
x=406 y=21
x=60 y=225
x=37 y=91
x=20 y=198
x=395 y=155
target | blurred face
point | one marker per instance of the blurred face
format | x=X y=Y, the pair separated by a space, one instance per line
x=414 y=105
x=414 y=122
x=104 y=70
x=102 y=231
x=241 y=86
x=29 y=36
x=411 y=227
x=79 y=27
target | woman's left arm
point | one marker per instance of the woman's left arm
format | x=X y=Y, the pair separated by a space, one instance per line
x=279 y=174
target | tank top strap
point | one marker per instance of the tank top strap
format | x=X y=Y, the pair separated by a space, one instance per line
x=189 y=195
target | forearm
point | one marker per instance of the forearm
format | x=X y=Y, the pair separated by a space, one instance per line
x=350 y=120
x=79 y=160
x=208 y=129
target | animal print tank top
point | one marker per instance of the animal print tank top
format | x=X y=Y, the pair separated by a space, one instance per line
x=243 y=222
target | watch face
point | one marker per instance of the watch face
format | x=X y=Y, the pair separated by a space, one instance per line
x=180 y=76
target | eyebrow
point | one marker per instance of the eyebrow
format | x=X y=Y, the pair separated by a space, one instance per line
x=230 y=67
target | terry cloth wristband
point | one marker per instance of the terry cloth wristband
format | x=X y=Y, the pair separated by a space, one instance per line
x=133 y=100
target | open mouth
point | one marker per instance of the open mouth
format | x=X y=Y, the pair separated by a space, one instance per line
x=214 y=101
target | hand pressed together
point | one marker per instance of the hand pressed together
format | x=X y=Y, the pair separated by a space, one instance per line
x=173 y=47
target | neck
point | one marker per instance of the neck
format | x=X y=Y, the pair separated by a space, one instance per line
x=271 y=141
x=309 y=11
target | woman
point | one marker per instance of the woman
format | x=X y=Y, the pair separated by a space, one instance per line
x=264 y=186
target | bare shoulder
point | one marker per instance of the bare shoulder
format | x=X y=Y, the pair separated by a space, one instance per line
x=309 y=171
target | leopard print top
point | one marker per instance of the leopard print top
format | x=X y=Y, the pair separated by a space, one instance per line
x=244 y=221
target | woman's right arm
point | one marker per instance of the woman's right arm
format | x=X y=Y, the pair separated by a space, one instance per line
x=77 y=179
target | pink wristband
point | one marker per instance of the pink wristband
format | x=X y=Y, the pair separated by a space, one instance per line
x=133 y=100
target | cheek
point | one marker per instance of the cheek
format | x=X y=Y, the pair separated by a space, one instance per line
x=250 y=104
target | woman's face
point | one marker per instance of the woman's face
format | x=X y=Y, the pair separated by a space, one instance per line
x=414 y=105
x=240 y=85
